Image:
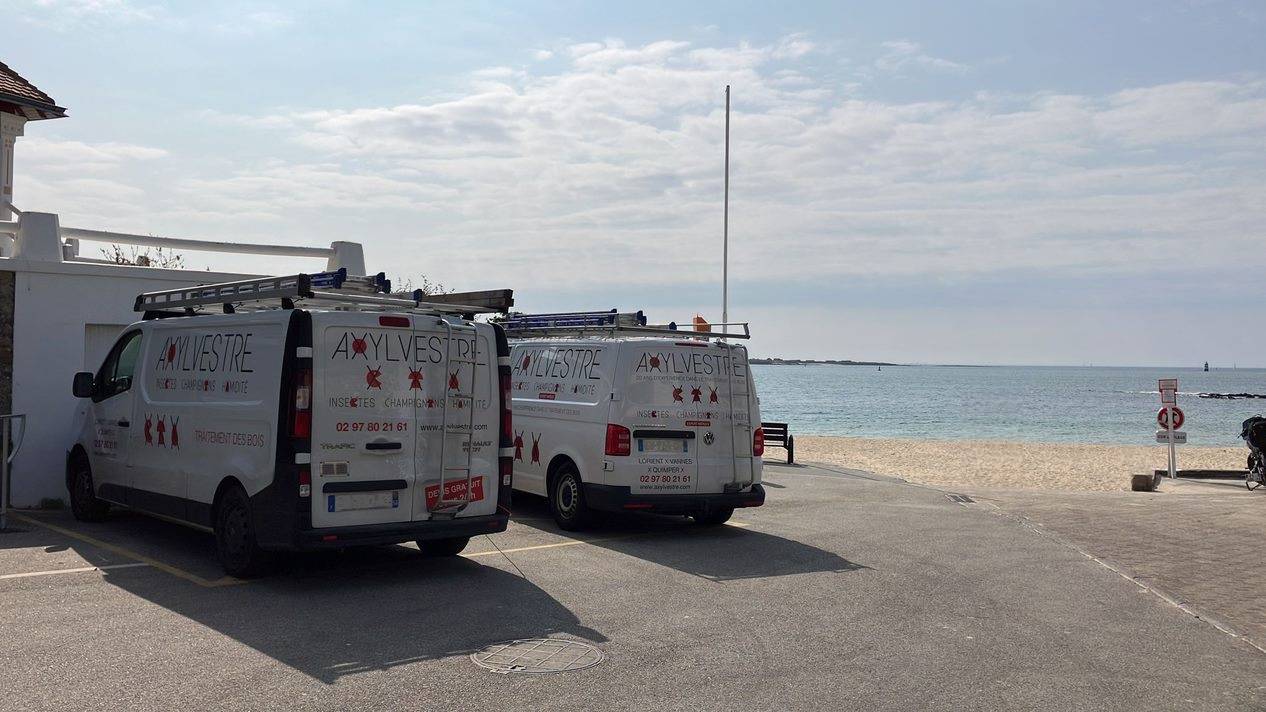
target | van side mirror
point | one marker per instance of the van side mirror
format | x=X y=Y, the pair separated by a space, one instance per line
x=83 y=386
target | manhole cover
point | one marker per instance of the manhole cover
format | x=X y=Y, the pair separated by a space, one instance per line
x=960 y=498
x=538 y=656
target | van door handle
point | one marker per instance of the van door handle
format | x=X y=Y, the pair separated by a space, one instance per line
x=384 y=446
x=124 y=423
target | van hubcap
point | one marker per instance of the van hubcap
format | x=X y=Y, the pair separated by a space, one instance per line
x=568 y=495
x=83 y=491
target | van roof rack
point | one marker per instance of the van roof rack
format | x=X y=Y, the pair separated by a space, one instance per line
x=598 y=323
x=336 y=290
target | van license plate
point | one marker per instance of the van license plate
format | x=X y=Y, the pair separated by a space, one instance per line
x=673 y=446
x=362 y=500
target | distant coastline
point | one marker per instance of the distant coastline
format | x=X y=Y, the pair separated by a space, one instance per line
x=815 y=362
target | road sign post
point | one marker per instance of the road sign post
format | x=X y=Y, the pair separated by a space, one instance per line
x=1170 y=418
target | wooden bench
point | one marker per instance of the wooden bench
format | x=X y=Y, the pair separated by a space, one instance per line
x=779 y=435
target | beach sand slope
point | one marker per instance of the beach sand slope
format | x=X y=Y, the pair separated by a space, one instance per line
x=999 y=464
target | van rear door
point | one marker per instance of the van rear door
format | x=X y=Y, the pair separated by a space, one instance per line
x=458 y=418
x=656 y=404
x=725 y=431
x=363 y=443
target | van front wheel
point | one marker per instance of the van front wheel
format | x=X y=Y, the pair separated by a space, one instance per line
x=235 y=544
x=567 y=500
x=714 y=518
x=83 y=499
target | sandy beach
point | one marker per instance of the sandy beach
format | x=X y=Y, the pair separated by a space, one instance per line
x=997 y=464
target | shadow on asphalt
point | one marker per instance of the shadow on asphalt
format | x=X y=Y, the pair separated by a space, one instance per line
x=330 y=614
x=723 y=553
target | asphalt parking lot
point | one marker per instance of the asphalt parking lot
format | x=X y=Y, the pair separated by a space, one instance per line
x=843 y=592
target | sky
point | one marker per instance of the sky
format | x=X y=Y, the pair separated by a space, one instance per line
x=1016 y=182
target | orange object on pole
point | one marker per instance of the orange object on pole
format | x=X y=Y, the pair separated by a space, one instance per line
x=701 y=324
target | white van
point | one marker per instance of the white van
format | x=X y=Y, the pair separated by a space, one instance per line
x=344 y=417
x=610 y=414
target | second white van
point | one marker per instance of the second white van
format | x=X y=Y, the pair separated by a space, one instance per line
x=612 y=415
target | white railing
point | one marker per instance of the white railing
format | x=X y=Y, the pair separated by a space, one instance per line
x=38 y=236
x=6 y=459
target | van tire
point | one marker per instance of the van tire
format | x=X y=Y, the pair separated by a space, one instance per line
x=567 y=499
x=437 y=548
x=83 y=497
x=235 y=544
x=715 y=517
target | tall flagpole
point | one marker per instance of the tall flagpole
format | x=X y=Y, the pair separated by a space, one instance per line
x=725 y=230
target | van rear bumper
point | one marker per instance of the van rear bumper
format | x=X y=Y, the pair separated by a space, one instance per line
x=400 y=532
x=618 y=499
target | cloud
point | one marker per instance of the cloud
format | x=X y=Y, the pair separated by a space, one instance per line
x=901 y=56
x=606 y=170
x=79 y=157
x=64 y=14
x=254 y=22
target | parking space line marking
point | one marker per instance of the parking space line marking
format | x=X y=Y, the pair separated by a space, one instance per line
x=86 y=569
x=161 y=566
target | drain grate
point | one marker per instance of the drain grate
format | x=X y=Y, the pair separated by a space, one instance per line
x=538 y=656
x=960 y=498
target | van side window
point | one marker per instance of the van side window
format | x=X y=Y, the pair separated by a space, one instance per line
x=115 y=376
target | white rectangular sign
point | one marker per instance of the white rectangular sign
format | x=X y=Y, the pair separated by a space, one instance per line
x=1180 y=437
x=1167 y=384
x=1169 y=397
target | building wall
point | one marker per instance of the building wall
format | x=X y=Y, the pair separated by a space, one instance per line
x=63 y=314
x=6 y=341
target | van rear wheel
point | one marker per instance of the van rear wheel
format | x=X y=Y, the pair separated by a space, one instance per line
x=567 y=499
x=716 y=517
x=83 y=498
x=436 y=548
x=235 y=543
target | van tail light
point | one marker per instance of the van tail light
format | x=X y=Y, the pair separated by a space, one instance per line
x=619 y=440
x=758 y=442
x=507 y=421
x=305 y=482
x=301 y=427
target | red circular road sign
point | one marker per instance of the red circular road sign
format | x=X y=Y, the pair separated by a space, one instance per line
x=1162 y=417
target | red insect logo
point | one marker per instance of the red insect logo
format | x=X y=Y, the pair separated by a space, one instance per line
x=655 y=362
x=430 y=402
x=149 y=425
x=171 y=352
x=415 y=380
x=526 y=360
x=518 y=446
x=677 y=395
x=712 y=397
x=371 y=377
x=696 y=395
x=453 y=385
x=358 y=346
x=536 y=449
x=175 y=434
x=162 y=428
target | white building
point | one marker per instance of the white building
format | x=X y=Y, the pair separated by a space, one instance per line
x=60 y=313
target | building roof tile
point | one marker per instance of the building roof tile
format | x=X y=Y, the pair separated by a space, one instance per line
x=14 y=88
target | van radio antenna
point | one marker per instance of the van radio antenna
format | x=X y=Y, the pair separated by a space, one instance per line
x=725 y=225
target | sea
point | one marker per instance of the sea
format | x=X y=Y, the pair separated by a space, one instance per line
x=1106 y=405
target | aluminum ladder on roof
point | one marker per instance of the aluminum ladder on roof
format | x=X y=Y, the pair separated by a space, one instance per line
x=739 y=480
x=458 y=402
x=335 y=290
x=609 y=323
